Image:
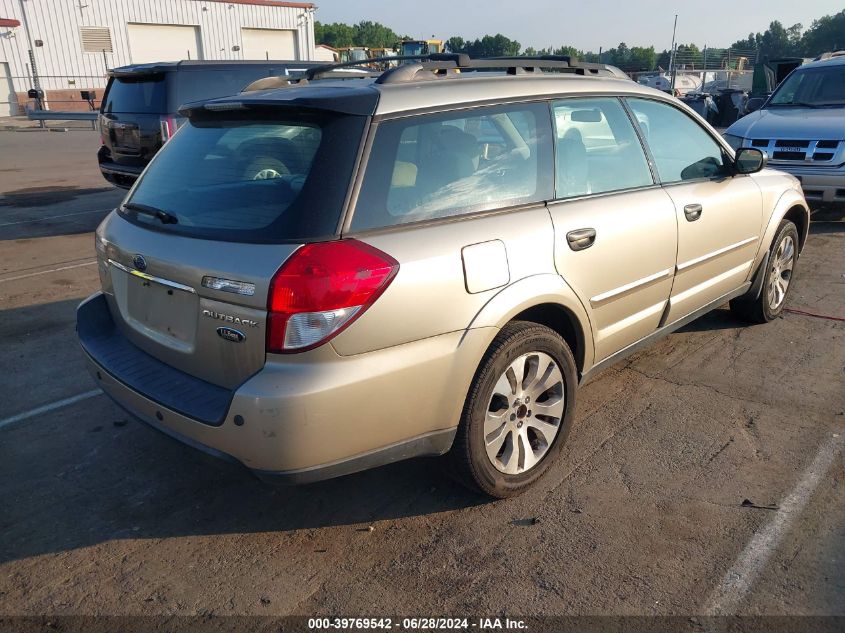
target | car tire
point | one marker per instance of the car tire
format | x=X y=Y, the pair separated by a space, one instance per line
x=265 y=168
x=505 y=440
x=777 y=281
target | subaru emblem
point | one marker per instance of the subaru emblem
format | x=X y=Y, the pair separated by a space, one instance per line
x=139 y=262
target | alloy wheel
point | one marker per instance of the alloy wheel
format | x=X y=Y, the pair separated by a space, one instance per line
x=524 y=413
x=781 y=272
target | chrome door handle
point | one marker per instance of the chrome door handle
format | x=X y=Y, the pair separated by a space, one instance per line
x=693 y=212
x=581 y=239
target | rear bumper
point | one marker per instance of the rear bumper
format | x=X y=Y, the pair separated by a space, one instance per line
x=821 y=186
x=318 y=415
x=119 y=175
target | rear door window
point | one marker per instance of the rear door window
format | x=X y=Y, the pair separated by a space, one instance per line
x=442 y=165
x=144 y=94
x=255 y=176
x=596 y=148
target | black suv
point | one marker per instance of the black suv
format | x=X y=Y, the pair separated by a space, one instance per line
x=140 y=105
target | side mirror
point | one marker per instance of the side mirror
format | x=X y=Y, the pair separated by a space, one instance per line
x=749 y=160
x=754 y=104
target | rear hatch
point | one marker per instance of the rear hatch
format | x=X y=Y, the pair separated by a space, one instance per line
x=189 y=257
x=131 y=117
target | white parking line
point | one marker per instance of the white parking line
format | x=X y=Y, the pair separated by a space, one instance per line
x=53 y=217
x=740 y=578
x=49 y=407
x=44 y=272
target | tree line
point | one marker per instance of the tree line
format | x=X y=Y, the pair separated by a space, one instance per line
x=366 y=33
x=824 y=34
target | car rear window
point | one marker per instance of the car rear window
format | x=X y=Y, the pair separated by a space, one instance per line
x=145 y=94
x=277 y=175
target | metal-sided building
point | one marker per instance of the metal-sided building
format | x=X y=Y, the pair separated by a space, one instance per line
x=66 y=46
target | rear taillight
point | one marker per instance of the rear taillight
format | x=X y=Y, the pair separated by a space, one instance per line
x=321 y=289
x=169 y=125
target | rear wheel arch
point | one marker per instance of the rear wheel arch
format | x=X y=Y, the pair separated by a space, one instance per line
x=548 y=300
x=563 y=321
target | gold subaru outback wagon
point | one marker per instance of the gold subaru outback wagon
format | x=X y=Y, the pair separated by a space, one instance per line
x=323 y=275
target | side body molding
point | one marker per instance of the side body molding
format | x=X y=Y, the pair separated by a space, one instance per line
x=546 y=288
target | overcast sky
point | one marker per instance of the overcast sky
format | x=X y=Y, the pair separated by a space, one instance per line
x=585 y=24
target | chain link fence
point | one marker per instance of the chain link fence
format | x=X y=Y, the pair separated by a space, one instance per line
x=709 y=70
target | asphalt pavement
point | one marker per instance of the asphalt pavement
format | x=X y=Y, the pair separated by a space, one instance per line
x=644 y=514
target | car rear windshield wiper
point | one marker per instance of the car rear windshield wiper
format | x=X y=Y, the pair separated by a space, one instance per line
x=163 y=216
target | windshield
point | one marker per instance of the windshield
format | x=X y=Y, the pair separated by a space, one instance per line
x=413 y=48
x=274 y=176
x=812 y=87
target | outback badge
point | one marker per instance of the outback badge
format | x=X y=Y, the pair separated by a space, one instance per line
x=231 y=334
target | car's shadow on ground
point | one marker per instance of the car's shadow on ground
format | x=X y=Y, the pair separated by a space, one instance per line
x=822 y=227
x=88 y=474
x=37 y=212
x=719 y=319
x=162 y=490
x=45 y=196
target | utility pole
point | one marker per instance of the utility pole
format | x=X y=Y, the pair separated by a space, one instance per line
x=36 y=81
x=729 y=68
x=672 y=55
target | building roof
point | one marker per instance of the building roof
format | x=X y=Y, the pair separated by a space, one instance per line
x=272 y=3
x=9 y=22
x=149 y=68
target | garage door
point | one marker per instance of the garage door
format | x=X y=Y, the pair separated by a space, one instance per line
x=163 y=43
x=8 y=100
x=268 y=44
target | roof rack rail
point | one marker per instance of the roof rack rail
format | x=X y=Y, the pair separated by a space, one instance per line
x=361 y=64
x=438 y=66
x=443 y=62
